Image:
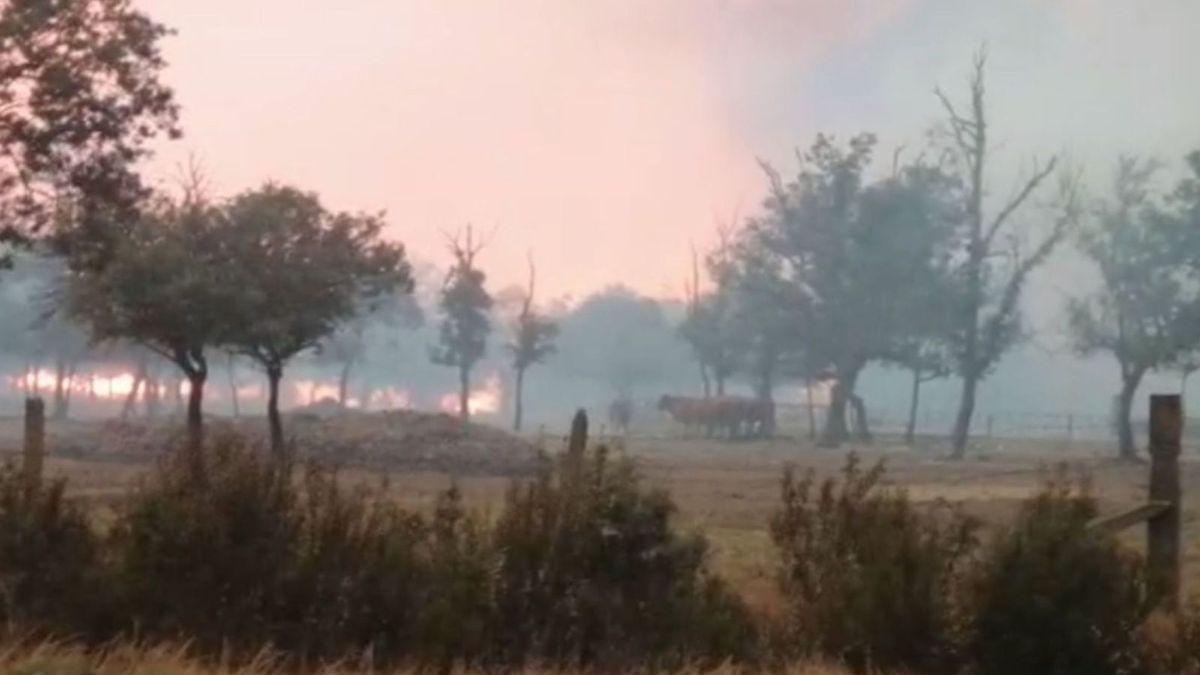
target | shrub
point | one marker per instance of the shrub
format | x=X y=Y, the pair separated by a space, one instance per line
x=49 y=559
x=870 y=579
x=203 y=561
x=592 y=573
x=1169 y=644
x=1050 y=596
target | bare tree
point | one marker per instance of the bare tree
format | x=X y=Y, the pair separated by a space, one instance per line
x=532 y=342
x=989 y=318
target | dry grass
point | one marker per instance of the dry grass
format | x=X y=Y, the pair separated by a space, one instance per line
x=58 y=659
x=729 y=489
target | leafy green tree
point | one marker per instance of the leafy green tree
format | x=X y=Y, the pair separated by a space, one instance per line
x=80 y=99
x=1146 y=312
x=168 y=286
x=532 y=342
x=991 y=278
x=465 y=305
x=302 y=271
x=856 y=255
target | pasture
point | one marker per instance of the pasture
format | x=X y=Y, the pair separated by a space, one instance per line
x=728 y=489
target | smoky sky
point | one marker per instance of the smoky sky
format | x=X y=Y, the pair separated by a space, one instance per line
x=604 y=137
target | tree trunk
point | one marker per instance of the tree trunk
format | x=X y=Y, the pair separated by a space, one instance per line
x=131 y=398
x=765 y=392
x=704 y=379
x=966 y=409
x=344 y=382
x=517 y=408
x=910 y=431
x=464 y=393
x=152 y=397
x=195 y=422
x=1126 y=446
x=274 y=375
x=835 y=431
x=60 y=398
x=862 y=430
x=720 y=377
x=231 y=375
x=812 y=413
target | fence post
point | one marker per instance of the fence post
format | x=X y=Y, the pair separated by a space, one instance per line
x=577 y=443
x=35 y=443
x=1162 y=531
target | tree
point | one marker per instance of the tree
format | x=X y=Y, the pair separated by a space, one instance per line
x=709 y=324
x=622 y=340
x=1145 y=312
x=926 y=359
x=168 y=286
x=769 y=315
x=465 y=304
x=532 y=342
x=80 y=98
x=302 y=272
x=988 y=321
x=854 y=253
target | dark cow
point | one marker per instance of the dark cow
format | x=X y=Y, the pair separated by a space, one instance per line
x=733 y=416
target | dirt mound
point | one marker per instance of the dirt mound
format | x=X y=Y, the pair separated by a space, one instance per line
x=410 y=440
x=402 y=440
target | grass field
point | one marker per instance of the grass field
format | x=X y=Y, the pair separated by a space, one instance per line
x=728 y=490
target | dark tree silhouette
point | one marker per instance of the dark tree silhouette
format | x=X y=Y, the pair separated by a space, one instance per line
x=465 y=326
x=989 y=318
x=80 y=98
x=1147 y=310
x=302 y=271
x=532 y=342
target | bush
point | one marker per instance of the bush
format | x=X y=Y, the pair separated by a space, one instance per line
x=1169 y=644
x=870 y=579
x=1050 y=596
x=49 y=559
x=592 y=573
x=251 y=556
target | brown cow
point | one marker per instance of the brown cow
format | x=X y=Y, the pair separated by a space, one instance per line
x=732 y=415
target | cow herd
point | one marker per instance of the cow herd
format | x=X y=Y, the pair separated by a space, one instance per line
x=730 y=416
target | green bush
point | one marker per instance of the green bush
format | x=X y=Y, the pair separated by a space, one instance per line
x=870 y=578
x=591 y=572
x=1050 y=596
x=50 y=577
x=203 y=560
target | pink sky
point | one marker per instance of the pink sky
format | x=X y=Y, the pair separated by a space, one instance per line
x=602 y=136
x=605 y=136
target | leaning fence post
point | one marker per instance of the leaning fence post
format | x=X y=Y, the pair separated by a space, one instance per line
x=1162 y=531
x=35 y=443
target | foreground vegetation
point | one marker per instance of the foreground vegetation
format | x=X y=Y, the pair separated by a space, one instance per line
x=581 y=567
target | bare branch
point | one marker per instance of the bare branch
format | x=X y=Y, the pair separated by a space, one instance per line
x=1018 y=199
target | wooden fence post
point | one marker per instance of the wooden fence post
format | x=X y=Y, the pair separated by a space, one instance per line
x=1162 y=531
x=577 y=443
x=35 y=443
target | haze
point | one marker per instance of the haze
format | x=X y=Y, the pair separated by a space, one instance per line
x=605 y=136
